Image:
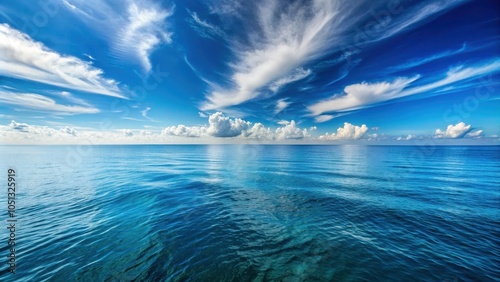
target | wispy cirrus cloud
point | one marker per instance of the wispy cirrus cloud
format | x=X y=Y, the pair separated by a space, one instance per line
x=364 y=95
x=295 y=75
x=71 y=98
x=281 y=104
x=457 y=74
x=285 y=36
x=135 y=28
x=324 y=118
x=357 y=96
x=391 y=25
x=37 y=102
x=421 y=61
x=23 y=58
x=204 y=28
x=143 y=31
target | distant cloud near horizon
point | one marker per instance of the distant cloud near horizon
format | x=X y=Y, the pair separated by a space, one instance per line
x=348 y=132
x=458 y=130
x=220 y=127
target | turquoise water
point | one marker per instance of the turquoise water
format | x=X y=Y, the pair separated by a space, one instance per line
x=254 y=213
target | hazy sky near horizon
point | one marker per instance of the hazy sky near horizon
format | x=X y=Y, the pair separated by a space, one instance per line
x=262 y=71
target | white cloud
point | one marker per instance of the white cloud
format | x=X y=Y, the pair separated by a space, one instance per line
x=23 y=127
x=204 y=28
x=296 y=75
x=359 y=95
x=22 y=133
x=323 y=118
x=128 y=132
x=276 y=50
x=428 y=59
x=135 y=28
x=457 y=74
x=364 y=95
x=144 y=112
x=202 y=114
x=69 y=130
x=90 y=57
x=348 y=132
x=412 y=17
x=291 y=131
x=475 y=134
x=222 y=126
x=453 y=131
x=71 y=98
x=38 y=102
x=19 y=131
x=23 y=58
x=260 y=132
x=281 y=104
x=407 y=138
x=225 y=7
x=284 y=36
x=218 y=126
x=185 y=131
x=143 y=30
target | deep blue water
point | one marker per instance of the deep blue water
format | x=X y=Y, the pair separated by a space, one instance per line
x=254 y=213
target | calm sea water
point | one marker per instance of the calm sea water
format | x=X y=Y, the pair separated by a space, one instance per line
x=253 y=213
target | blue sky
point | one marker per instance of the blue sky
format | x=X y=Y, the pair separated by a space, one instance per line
x=75 y=71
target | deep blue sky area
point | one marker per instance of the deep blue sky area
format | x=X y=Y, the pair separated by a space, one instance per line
x=74 y=71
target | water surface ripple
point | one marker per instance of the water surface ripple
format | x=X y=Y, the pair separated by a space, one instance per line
x=255 y=213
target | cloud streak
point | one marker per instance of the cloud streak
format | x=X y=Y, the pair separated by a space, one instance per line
x=360 y=95
x=286 y=37
x=36 y=102
x=204 y=28
x=428 y=59
x=364 y=95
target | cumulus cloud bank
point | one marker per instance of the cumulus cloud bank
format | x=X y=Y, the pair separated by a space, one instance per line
x=348 y=132
x=407 y=138
x=220 y=125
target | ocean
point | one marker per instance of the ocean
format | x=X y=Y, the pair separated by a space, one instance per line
x=252 y=213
